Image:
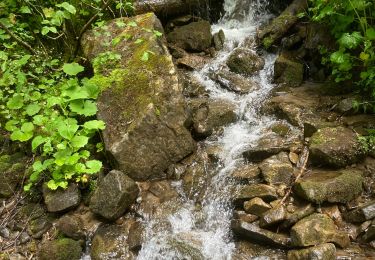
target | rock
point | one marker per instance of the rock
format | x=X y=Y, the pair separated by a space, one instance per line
x=219 y=40
x=246 y=174
x=345 y=106
x=208 y=115
x=298 y=214
x=256 y=206
x=163 y=190
x=195 y=180
x=288 y=71
x=317 y=229
x=135 y=237
x=272 y=216
x=362 y=213
x=114 y=195
x=195 y=36
x=253 y=232
x=61 y=200
x=243 y=216
x=245 y=61
x=32 y=211
x=246 y=250
x=192 y=62
x=331 y=186
x=186 y=247
x=61 y=249
x=144 y=112
x=12 y=171
x=334 y=213
x=39 y=226
x=71 y=226
x=192 y=87
x=234 y=82
x=370 y=233
x=279 y=26
x=277 y=169
x=164 y=8
x=248 y=192
x=294 y=158
x=335 y=147
x=4 y=232
x=320 y=252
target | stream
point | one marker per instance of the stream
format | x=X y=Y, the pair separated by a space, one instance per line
x=207 y=226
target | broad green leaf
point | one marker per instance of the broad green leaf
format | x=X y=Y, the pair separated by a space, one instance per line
x=39 y=120
x=91 y=88
x=94 y=125
x=11 y=125
x=38 y=140
x=342 y=60
x=93 y=166
x=67 y=128
x=72 y=69
x=75 y=92
x=370 y=33
x=70 y=8
x=79 y=141
x=73 y=159
x=18 y=135
x=27 y=187
x=62 y=156
x=25 y=10
x=86 y=108
x=145 y=56
x=132 y=24
x=351 y=41
x=32 y=109
x=27 y=127
x=52 y=101
x=15 y=102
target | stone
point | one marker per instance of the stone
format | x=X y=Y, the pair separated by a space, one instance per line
x=71 y=226
x=192 y=62
x=61 y=249
x=195 y=36
x=256 y=206
x=165 y=8
x=345 y=106
x=325 y=251
x=61 y=200
x=243 y=216
x=4 y=232
x=163 y=190
x=12 y=171
x=246 y=174
x=114 y=195
x=288 y=71
x=39 y=226
x=277 y=169
x=317 y=229
x=219 y=40
x=144 y=112
x=336 y=147
x=245 y=61
x=299 y=213
x=252 y=232
x=209 y=115
x=331 y=186
x=248 y=192
x=192 y=87
x=362 y=213
x=272 y=217
x=234 y=82
x=135 y=237
x=369 y=235
x=186 y=247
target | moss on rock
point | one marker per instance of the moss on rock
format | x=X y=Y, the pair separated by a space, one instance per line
x=61 y=249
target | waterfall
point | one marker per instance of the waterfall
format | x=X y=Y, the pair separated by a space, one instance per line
x=208 y=227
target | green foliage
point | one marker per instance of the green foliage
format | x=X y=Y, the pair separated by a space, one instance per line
x=352 y=24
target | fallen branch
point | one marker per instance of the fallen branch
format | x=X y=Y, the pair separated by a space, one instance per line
x=17 y=39
x=302 y=164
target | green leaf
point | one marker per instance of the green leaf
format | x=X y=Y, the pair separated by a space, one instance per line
x=157 y=33
x=62 y=156
x=370 y=33
x=132 y=24
x=72 y=69
x=70 y=8
x=15 y=102
x=351 y=41
x=79 y=141
x=139 y=41
x=27 y=127
x=25 y=10
x=38 y=140
x=342 y=60
x=94 y=125
x=86 y=108
x=93 y=166
x=32 y=109
x=18 y=135
x=145 y=56
x=67 y=128
x=11 y=125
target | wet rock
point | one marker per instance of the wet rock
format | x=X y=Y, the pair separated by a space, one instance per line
x=332 y=186
x=144 y=112
x=194 y=180
x=248 y=192
x=345 y=106
x=288 y=71
x=234 y=82
x=4 y=232
x=246 y=174
x=243 y=216
x=362 y=213
x=12 y=170
x=246 y=250
x=164 y=8
x=252 y=232
x=61 y=249
x=317 y=229
x=336 y=147
x=277 y=169
x=39 y=226
x=195 y=36
x=334 y=213
x=209 y=115
x=298 y=214
x=219 y=40
x=61 y=200
x=163 y=190
x=370 y=233
x=71 y=226
x=320 y=252
x=191 y=86
x=245 y=61
x=256 y=206
x=135 y=237
x=192 y=62
x=186 y=247
x=273 y=216
x=114 y=195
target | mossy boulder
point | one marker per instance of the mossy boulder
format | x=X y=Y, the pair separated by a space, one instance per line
x=248 y=192
x=195 y=36
x=141 y=99
x=288 y=70
x=335 y=147
x=61 y=249
x=330 y=186
x=325 y=251
x=245 y=61
x=277 y=169
x=234 y=82
x=12 y=171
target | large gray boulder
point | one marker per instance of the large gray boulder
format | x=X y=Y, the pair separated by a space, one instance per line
x=61 y=200
x=141 y=100
x=114 y=195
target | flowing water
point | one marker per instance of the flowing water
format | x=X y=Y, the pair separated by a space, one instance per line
x=207 y=227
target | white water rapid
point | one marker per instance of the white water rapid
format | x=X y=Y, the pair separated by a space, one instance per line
x=208 y=226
